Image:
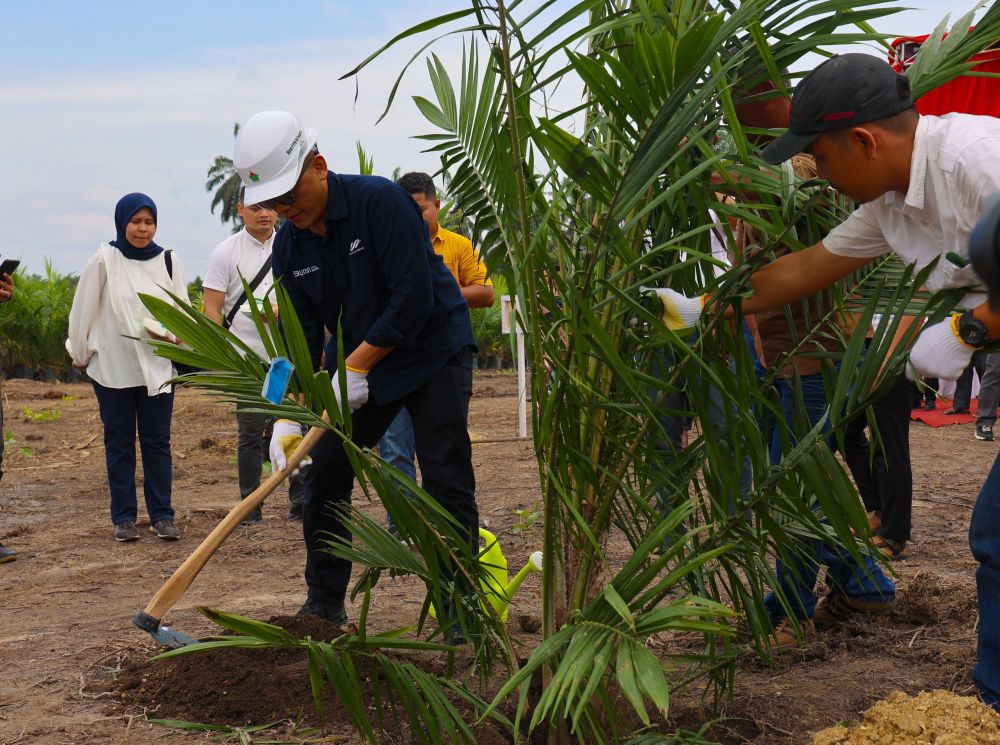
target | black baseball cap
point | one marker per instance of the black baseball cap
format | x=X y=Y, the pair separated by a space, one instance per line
x=845 y=91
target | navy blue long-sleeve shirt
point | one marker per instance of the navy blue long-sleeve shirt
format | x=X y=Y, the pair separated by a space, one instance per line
x=376 y=273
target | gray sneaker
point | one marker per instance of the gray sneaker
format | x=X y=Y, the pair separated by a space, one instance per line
x=984 y=432
x=165 y=529
x=7 y=554
x=126 y=532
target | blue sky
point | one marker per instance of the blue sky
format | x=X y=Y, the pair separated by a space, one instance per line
x=108 y=97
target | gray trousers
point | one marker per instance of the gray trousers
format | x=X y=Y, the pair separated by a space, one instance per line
x=251 y=452
x=989 y=388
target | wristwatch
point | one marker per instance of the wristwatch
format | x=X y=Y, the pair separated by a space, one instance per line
x=972 y=331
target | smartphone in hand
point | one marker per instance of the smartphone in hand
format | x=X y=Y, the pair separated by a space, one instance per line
x=9 y=266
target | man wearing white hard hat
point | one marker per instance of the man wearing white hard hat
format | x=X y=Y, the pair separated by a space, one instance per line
x=355 y=251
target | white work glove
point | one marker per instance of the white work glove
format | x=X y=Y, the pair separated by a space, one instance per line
x=939 y=352
x=679 y=312
x=284 y=439
x=357 y=387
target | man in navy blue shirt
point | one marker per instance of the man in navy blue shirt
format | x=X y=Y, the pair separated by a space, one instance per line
x=355 y=250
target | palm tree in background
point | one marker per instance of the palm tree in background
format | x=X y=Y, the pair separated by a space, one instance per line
x=225 y=181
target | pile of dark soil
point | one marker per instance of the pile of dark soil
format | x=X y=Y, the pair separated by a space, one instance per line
x=242 y=686
x=231 y=686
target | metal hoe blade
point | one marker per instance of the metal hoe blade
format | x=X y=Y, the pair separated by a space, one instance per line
x=165 y=635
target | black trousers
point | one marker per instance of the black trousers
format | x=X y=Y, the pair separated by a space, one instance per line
x=438 y=411
x=884 y=477
x=963 y=386
x=925 y=393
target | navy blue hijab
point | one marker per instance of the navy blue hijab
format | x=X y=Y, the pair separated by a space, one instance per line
x=124 y=211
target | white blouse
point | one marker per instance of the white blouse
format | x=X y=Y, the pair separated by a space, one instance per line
x=107 y=310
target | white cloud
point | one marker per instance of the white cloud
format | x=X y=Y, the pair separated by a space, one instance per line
x=86 y=139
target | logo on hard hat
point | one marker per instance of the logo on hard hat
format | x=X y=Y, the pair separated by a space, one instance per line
x=255 y=177
x=295 y=142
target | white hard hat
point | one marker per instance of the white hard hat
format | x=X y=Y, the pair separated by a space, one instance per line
x=269 y=151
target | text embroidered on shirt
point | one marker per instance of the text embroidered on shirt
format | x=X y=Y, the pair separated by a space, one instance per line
x=304 y=272
x=356 y=247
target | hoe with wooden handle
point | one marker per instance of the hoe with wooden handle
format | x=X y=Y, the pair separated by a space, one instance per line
x=149 y=619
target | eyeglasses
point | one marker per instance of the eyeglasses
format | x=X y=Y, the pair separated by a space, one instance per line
x=289 y=196
x=285 y=199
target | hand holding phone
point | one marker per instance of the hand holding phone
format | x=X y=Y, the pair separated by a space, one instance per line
x=9 y=266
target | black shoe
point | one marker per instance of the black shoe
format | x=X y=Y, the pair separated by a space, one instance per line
x=126 y=532
x=956 y=411
x=295 y=512
x=984 y=432
x=257 y=516
x=332 y=612
x=929 y=406
x=6 y=554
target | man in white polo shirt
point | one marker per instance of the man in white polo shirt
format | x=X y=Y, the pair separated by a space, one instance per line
x=921 y=182
x=247 y=253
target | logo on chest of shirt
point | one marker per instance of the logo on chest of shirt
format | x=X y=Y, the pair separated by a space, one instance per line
x=356 y=247
x=305 y=271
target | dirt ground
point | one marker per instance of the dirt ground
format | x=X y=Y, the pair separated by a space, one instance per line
x=72 y=665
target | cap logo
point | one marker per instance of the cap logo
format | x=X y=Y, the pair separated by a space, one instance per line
x=255 y=177
x=834 y=116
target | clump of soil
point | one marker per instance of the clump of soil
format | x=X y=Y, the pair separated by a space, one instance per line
x=246 y=686
x=929 y=718
x=231 y=686
x=926 y=599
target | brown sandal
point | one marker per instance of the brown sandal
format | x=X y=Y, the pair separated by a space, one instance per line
x=893 y=549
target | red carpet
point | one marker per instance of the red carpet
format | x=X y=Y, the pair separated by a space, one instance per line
x=938 y=418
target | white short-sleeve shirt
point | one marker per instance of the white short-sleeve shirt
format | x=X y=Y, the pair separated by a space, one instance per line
x=954 y=167
x=240 y=253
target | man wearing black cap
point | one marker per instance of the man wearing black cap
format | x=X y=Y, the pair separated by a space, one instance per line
x=921 y=183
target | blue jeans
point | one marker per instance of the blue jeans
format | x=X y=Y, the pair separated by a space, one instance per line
x=797 y=580
x=984 y=540
x=123 y=412
x=397 y=448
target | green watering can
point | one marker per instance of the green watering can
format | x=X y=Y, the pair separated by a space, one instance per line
x=495 y=585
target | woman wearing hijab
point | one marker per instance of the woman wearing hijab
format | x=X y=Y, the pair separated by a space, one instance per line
x=129 y=380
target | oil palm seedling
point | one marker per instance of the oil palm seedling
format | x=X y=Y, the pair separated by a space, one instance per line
x=579 y=144
x=34 y=322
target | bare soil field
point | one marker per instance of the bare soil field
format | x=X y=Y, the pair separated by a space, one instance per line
x=73 y=668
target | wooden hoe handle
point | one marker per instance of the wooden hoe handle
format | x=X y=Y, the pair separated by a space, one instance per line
x=181 y=579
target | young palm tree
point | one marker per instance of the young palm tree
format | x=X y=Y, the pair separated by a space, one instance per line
x=578 y=209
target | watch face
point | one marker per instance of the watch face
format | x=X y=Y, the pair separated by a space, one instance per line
x=971 y=330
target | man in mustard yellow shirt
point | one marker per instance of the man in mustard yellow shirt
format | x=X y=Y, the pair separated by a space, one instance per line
x=397 y=445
